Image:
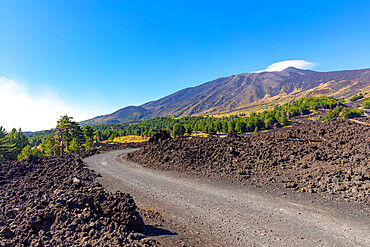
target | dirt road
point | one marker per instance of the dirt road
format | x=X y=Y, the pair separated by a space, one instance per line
x=216 y=212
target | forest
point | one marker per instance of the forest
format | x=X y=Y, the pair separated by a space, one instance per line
x=69 y=136
x=278 y=117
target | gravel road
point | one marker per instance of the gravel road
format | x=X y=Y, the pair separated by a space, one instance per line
x=218 y=212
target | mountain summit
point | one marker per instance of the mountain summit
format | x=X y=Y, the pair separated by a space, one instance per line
x=237 y=92
x=293 y=69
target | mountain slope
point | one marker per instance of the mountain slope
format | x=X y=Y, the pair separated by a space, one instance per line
x=124 y=115
x=249 y=89
x=245 y=90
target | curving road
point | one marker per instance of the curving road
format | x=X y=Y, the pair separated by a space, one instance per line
x=234 y=214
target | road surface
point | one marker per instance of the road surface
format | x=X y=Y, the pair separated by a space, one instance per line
x=222 y=213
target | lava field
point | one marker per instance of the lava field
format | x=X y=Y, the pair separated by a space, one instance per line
x=332 y=158
x=55 y=201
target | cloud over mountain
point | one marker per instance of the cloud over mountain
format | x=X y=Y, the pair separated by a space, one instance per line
x=279 y=66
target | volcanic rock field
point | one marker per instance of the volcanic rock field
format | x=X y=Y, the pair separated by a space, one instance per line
x=55 y=201
x=331 y=158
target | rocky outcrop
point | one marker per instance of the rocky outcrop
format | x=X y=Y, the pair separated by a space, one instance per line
x=56 y=201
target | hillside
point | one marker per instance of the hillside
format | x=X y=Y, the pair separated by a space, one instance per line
x=237 y=92
x=124 y=115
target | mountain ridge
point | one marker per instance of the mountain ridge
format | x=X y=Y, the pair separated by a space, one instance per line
x=244 y=90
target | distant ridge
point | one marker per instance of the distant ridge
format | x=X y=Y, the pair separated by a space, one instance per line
x=237 y=92
x=292 y=69
x=124 y=115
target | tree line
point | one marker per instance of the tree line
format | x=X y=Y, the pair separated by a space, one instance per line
x=67 y=136
x=278 y=117
x=77 y=138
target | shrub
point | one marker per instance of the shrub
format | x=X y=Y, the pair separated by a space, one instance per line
x=356 y=97
x=366 y=103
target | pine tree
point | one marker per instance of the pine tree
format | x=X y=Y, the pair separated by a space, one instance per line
x=19 y=140
x=89 y=144
x=70 y=130
x=178 y=130
x=88 y=132
x=188 y=129
x=7 y=148
x=75 y=145
x=64 y=127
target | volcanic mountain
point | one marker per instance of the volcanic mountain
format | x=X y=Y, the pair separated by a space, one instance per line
x=238 y=92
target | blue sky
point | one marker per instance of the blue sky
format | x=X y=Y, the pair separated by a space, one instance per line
x=87 y=58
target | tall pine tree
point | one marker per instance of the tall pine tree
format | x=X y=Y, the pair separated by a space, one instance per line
x=7 y=148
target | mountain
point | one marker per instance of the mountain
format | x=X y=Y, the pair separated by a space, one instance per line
x=124 y=115
x=292 y=69
x=237 y=92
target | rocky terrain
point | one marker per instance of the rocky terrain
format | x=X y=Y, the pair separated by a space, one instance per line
x=331 y=158
x=55 y=201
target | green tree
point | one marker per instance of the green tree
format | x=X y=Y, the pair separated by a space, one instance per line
x=51 y=147
x=64 y=127
x=76 y=132
x=240 y=126
x=332 y=115
x=19 y=139
x=366 y=103
x=269 y=122
x=7 y=148
x=150 y=132
x=230 y=126
x=27 y=151
x=219 y=126
x=144 y=131
x=351 y=113
x=98 y=136
x=188 y=129
x=89 y=144
x=178 y=130
x=356 y=97
x=283 y=120
x=88 y=132
x=75 y=145
x=69 y=130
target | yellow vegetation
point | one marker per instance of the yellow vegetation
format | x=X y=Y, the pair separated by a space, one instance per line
x=126 y=139
x=199 y=134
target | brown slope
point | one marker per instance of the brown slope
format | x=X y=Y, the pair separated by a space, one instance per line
x=124 y=115
x=236 y=92
x=250 y=89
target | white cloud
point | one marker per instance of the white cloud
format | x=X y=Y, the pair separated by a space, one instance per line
x=279 y=66
x=19 y=108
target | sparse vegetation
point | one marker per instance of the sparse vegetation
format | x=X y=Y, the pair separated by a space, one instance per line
x=366 y=103
x=351 y=113
x=344 y=112
x=356 y=97
x=332 y=115
x=130 y=139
